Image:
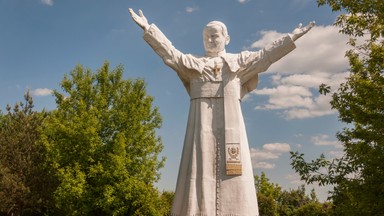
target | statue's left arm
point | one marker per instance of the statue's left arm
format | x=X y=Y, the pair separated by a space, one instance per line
x=260 y=61
x=253 y=63
x=300 y=31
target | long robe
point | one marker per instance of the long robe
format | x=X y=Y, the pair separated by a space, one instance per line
x=215 y=122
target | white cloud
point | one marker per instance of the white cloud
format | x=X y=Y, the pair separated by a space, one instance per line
x=284 y=96
x=305 y=80
x=299 y=4
x=319 y=58
x=294 y=179
x=321 y=50
x=47 y=2
x=243 y=1
x=277 y=147
x=270 y=151
x=41 y=92
x=285 y=91
x=299 y=135
x=336 y=154
x=191 y=9
x=258 y=154
x=266 y=38
x=298 y=100
x=263 y=165
x=324 y=140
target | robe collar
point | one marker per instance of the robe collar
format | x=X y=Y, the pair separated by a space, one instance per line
x=199 y=63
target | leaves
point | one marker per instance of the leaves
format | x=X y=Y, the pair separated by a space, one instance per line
x=324 y=89
x=358 y=175
x=25 y=183
x=273 y=201
x=102 y=143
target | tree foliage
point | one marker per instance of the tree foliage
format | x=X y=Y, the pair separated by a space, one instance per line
x=25 y=184
x=166 y=202
x=268 y=195
x=358 y=176
x=102 y=145
x=273 y=201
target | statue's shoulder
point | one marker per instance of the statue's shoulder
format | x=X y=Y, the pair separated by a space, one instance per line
x=242 y=54
x=232 y=55
x=195 y=56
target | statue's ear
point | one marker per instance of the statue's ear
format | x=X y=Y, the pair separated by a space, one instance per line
x=227 y=39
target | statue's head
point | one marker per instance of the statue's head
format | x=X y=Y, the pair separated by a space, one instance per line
x=215 y=37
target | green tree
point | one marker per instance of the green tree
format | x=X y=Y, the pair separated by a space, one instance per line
x=273 y=201
x=268 y=195
x=314 y=209
x=102 y=145
x=167 y=200
x=358 y=176
x=296 y=202
x=25 y=185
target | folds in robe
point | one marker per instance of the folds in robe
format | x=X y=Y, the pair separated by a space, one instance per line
x=215 y=134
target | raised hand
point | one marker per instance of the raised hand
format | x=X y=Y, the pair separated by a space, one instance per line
x=140 y=19
x=300 y=31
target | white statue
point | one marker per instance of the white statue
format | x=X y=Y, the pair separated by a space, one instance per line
x=215 y=174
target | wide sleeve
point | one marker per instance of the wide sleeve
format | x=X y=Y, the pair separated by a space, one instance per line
x=185 y=65
x=253 y=63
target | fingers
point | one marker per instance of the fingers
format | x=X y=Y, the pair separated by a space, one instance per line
x=311 y=24
x=132 y=12
x=300 y=25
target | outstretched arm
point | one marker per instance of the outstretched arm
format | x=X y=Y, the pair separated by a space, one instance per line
x=172 y=57
x=140 y=19
x=158 y=41
x=300 y=31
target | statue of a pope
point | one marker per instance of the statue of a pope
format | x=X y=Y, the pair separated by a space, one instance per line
x=215 y=174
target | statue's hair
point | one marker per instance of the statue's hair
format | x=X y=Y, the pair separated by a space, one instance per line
x=218 y=23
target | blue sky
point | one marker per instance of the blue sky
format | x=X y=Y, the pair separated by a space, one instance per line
x=41 y=40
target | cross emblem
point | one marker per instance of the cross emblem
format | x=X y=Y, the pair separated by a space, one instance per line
x=216 y=69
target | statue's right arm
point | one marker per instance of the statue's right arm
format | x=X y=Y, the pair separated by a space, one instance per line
x=158 y=41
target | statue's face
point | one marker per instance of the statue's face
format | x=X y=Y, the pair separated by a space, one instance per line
x=214 y=39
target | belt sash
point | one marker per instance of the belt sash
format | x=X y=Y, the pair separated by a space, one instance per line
x=230 y=92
